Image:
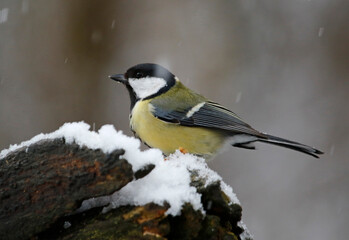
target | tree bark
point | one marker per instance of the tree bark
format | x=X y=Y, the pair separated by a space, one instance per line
x=42 y=187
x=49 y=180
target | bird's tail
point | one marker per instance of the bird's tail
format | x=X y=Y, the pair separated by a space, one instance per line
x=290 y=144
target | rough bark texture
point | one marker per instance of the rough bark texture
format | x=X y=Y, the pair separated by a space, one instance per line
x=42 y=186
x=50 y=179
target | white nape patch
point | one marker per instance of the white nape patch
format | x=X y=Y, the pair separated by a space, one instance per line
x=241 y=138
x=194 y=109
x=145 y=87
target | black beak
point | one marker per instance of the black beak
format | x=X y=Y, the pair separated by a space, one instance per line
x=119 y=78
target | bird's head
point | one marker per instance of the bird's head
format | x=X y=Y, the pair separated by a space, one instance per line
x=146 y=80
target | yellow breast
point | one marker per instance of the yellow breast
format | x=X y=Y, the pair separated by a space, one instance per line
x=169 y=137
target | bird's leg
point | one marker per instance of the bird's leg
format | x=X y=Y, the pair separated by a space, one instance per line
x=182 y=150
x=165 y=157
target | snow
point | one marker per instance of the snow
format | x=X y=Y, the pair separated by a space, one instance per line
x=3 y=15
x=246 y=235
x=321 y=31
x=107 y=139
x=66 y=225
x=168 y=182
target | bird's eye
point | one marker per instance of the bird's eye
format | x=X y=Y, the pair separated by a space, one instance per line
x=139 y=75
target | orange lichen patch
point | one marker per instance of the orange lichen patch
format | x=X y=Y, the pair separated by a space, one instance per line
x=35 y=197
x=109 y=177
x=154 y=232
x=149 y=217
x=95 y=169
x=146 y=213
x=98 y=168
x=40 y=192
x=75 y=162
x=133 y=213
x=151 y=214
x=183 y=150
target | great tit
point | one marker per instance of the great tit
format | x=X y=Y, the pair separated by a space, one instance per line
x=167 y=115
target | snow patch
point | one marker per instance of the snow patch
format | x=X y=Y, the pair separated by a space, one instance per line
x=107 y=139
x=246 y=235
x=169 y=182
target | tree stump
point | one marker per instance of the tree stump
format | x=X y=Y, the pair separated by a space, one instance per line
x=42 y=187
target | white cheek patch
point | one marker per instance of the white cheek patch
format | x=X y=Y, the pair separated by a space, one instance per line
x=145 y=87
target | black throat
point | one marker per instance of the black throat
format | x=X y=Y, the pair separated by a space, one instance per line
x=133 y=97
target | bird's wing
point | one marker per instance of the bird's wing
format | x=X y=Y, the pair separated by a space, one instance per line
x=205 y=114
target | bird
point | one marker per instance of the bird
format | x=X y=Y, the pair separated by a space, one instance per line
x=167 y=115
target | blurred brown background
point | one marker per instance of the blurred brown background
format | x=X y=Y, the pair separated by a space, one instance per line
x=281 y=65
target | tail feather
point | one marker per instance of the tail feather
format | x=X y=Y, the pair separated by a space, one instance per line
x=290 y=144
